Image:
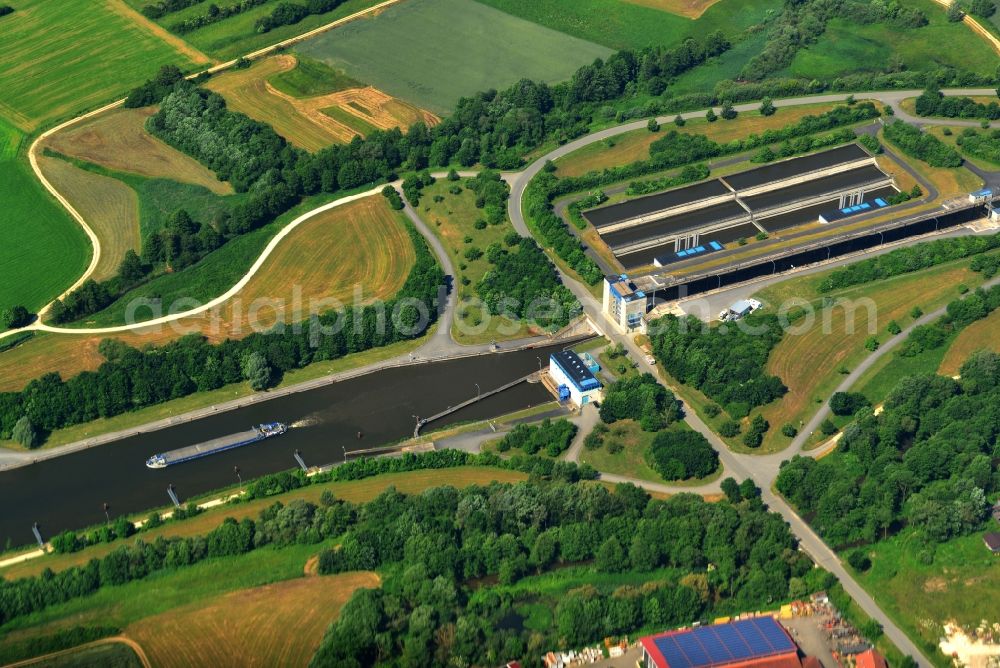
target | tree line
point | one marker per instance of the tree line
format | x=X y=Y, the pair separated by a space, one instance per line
x=442 y=551
x=907 y=260
x=922 y=146
x=289 y=13
x=725 y=363
x=278 y=525
x=214 y=14
x=924 y=462
x=130 y=378
x=157 y=10
x=932 y=102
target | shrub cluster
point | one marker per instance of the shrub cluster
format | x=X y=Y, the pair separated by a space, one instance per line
x=640 y=398
x=682 y=454
x=288 y=13
x=725 y=363
x=214 y=14
x=553 y=437
x=922 y=146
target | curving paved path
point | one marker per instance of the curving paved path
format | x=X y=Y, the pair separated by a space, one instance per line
x=762 y=469
x=803 y=436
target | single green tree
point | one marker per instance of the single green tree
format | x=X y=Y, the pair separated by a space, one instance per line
x=767 y=107
x=25 y=433
x=652 y=125
x=257 y=371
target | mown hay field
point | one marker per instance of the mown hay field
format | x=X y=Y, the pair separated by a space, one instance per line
x=279 y=624
x=362 y=244
x=118 y=141
x=432 y=52
x=316 y=121
x=981 y=335
x=110 y=208
x=808 y=361
x=691 y=9
x=58 y=58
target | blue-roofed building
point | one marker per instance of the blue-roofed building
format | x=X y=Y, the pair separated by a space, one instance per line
x=760 y=642
x=574 y=381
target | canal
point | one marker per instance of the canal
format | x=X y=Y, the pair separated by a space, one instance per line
x=70 y=491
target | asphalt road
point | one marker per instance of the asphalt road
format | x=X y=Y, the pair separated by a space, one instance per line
x=761 y=469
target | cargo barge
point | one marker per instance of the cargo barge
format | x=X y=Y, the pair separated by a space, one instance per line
x=217 y=445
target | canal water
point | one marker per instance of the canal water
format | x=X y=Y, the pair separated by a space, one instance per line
x=69 y=491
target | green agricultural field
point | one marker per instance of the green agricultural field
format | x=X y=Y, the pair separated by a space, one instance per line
x=57 y=58
x=432 y=52
x=44 y=250
x=312 y=77
x=236 y=36
x=619 y=24
x=847 y=47
x=359 y=125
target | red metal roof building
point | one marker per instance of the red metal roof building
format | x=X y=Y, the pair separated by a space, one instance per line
x=760 y=642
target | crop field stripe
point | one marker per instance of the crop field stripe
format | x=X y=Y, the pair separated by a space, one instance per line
x=402 y=49
x=236 y=36
x=691 y=9
x=352 y=121
x=57 y=58
x=110 y=208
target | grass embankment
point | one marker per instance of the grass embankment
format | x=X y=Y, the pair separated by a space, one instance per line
x=810 y=355
x=453 y=220
x=959 y=585
x=355 y=491
x=117 y=140
x=480 y=48
x=279 y=624
x=110 y=208
x=620 y=25
x=634 y=145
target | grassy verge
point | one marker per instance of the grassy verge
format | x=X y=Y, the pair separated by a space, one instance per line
x=631 y=460
x=453 y=219
x=958 y=584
